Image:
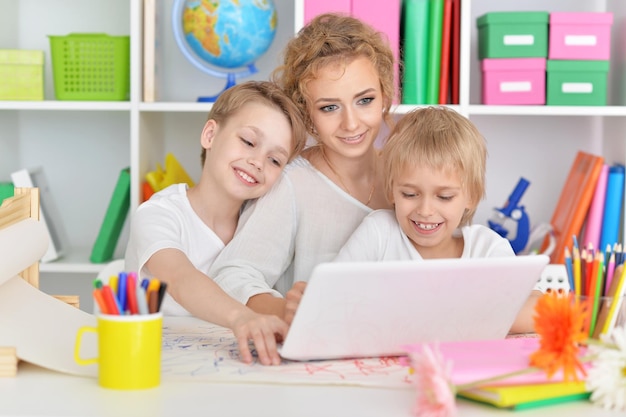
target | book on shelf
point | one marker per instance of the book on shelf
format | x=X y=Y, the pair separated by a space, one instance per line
x=435 y=23
x=455 y=51
x=430 y=45
x=313 y=8
x=573 y=203
x=149 y=50
x=593 y=224
x=446 y=37
x=49 y=213
x=414 y=29
x=613 y=201
x=382 y=16
x=114 y=219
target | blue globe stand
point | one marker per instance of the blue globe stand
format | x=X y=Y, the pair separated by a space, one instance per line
x=231 y=80
x=183 y=45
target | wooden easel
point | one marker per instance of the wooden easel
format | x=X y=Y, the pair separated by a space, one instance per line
x=23 y=205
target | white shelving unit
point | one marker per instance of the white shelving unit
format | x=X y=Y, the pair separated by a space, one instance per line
x=83 y=145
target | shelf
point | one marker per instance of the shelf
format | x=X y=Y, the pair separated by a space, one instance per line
x=66 y=105
x=165 y=106
x=75 y=261
x=477 y=109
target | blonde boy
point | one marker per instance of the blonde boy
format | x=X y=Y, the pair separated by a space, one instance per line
x=252 y=132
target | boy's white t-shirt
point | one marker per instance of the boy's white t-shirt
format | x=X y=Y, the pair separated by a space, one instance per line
x=167 y=221
x=380 y=238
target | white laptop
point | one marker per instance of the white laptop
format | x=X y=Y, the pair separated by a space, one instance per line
x=365 y=309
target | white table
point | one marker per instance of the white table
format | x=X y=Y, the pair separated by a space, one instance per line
x=40 y=392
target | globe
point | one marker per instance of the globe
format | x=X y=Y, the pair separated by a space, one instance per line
x=224 y=38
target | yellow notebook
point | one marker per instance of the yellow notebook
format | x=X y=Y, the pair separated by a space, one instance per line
x=526 y=395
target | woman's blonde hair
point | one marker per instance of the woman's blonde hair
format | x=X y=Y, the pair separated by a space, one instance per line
x=438 y=138
x=331 y=38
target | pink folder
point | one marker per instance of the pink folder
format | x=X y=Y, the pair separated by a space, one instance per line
x=385 y=17
x=593 y=228
x=313 y=8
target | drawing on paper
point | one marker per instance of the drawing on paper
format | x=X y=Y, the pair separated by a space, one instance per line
x=197 y=350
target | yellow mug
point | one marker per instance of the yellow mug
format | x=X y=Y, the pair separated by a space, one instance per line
x=129 y=350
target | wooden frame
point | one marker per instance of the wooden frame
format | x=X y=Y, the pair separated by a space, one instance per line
x=23 y=205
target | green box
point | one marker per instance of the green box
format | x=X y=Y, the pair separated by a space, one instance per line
x=513 y=35
x=91 y=66
x=21 y=74
x=576 y=83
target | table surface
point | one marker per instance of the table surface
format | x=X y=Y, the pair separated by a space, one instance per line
x=36 y=391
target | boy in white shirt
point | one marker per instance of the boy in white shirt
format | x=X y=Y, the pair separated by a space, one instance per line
x=253 y=131
x=434 y=162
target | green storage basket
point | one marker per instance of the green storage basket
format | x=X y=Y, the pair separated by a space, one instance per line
x=91 y=66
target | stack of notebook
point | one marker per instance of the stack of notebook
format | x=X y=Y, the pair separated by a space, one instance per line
x=480 y=360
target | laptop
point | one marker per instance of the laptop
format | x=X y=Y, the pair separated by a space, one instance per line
x=366 y=309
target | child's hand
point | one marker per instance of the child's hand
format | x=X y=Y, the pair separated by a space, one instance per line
x=293 y=297
x=263 y=330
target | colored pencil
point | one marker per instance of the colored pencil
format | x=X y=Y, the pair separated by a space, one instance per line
x=610 y=270
x=597 y=293
x=569 y=269
x=576 y=267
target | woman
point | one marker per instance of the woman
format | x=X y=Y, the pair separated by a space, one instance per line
x=339 y=71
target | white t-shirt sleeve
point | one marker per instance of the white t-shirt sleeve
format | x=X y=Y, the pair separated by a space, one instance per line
x=152 y=229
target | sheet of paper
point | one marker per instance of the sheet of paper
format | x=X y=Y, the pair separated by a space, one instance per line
x=21 y=245
x=194 y=350
x=42 y=328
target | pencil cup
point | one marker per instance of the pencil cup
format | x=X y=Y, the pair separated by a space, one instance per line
x=129 y=350
x=604 y=314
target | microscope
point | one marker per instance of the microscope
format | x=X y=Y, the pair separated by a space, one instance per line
x=513 y=213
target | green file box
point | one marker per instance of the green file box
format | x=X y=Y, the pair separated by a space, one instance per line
x=513 y=35
x=576 y=83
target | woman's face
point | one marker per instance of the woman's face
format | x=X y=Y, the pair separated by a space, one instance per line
x=346 y=104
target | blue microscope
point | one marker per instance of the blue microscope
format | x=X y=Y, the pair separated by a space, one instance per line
x=513 y=211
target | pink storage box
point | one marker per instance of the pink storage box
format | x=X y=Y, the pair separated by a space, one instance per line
x=514 y=81
x=580 y=36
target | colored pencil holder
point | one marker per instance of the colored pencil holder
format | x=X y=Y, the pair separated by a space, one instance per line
x=604 y=313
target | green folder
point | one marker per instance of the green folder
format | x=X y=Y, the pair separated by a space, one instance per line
x=114 y=219
x=434 y=50
x=415 y=51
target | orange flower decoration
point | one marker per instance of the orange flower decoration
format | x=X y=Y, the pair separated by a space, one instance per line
x=559 y=322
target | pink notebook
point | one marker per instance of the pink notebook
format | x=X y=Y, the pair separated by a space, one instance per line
x=593 y=227
x=476 y=360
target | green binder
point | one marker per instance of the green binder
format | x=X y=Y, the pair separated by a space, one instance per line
x=434 y=51
x=114 y=219
x=415 y=51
